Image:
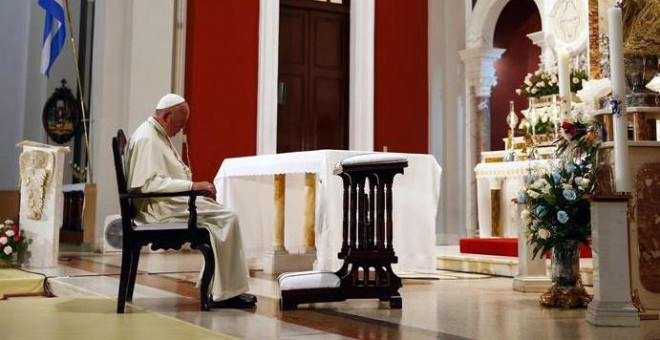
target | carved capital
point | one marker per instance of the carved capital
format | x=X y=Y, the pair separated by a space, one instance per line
x=480 y=68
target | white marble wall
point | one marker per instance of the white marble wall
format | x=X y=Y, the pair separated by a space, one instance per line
x=132 y=69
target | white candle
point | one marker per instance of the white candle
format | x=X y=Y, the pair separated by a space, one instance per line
x=622 y=178
x=564 y=84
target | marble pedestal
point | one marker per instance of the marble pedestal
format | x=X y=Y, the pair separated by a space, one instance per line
x=281 y=262
x=612 y=305
x=531 y=276
x=42 y=201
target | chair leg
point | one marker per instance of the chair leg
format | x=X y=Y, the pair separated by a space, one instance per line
x=209 y=267
x=123 y=280
x=135 y=259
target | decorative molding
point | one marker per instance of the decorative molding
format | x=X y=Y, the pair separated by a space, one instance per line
x=269 y=30
x=480 y=68
x=361 y=88
x=36 y=168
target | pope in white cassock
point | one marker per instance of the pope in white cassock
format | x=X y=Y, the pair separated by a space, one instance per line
x=154 y=165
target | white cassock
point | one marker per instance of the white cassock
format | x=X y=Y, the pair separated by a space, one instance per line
x=154 y=165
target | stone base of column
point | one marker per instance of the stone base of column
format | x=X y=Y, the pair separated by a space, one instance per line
x=612 y=314
x=282 y=262
x=531 y=284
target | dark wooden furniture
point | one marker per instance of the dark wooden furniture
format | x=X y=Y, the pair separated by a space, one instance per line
x=160 y=236
x=367 y=248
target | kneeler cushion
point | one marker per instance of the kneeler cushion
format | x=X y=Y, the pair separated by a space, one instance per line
x=308 y=280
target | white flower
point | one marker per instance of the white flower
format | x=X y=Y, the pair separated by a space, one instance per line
x=582 y=182
x=575 y=80
x=541 y=84
x=567 y=186
x=537 y=72
x=518 y=91
x=524 y=215
x=540 y=184
x=9 y=233
x=3 y=240
x=528 y=77
x=533 y=194
x=8 y=250
x=9 y=222
x=554 y=79
x=528 y=82
x=543 y=234
x=533 y=90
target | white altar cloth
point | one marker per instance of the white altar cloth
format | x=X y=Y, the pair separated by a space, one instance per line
x=245 y=185
x=508 y=177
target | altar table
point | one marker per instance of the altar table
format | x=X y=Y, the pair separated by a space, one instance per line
x=497 y=184
x=245 y=185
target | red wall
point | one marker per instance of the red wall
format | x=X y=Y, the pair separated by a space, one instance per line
x=518 y=18
x=221 y=79
x=401 y=76
x=221 y=82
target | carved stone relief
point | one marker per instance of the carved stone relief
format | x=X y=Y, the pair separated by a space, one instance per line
x=648 y=223
x=36 y=169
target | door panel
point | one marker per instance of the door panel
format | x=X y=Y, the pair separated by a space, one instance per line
x=313 y=76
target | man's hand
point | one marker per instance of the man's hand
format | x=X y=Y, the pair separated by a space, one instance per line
x=207 y=186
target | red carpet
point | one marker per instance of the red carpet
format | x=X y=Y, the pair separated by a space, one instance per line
x=500 y=247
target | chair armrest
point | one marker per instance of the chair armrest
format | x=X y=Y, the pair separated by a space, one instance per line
x=192 y=194
x=189 y=193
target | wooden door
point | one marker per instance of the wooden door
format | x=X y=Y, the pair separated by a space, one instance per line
x=312 y=111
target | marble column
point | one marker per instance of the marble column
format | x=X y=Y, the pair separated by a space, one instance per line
x=612 y=304
x=279 y=259
x=480 y=72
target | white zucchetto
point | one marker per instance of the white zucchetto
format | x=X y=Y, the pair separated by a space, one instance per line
x=169 y=100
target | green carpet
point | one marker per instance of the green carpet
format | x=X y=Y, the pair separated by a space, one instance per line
x=71 y=318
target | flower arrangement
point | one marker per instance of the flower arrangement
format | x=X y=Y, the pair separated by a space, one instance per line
x=543 y=83
x=556 y=209
x=545 y=117
x=12 y=241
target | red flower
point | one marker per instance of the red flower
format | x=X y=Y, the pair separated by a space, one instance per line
x=569 y=129
x=15 y=228
x=17 y=237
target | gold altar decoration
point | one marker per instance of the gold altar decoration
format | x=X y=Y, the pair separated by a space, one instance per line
x=566 y=297
x=641 y=30
x=594 y=41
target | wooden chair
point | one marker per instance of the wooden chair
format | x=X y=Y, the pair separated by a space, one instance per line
x=367 y=248
x=160 y=236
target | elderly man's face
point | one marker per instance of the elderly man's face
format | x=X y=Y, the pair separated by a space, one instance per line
x=177 y=119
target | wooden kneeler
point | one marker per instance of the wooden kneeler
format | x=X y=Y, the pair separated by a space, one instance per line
x=366 y=248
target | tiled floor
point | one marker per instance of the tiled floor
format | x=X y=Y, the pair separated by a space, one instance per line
x=452 y=306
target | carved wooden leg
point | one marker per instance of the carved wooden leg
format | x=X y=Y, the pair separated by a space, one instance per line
x=209 y=266
x=396 y=302
x=135 y=259
x=123 y=280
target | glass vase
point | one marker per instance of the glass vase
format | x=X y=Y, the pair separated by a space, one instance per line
x=565 y=265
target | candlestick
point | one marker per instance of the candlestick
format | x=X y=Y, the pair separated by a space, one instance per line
x=555 y=115
x=512 y=121
x=622 y=178
x=532 y=116
x=564 y=84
